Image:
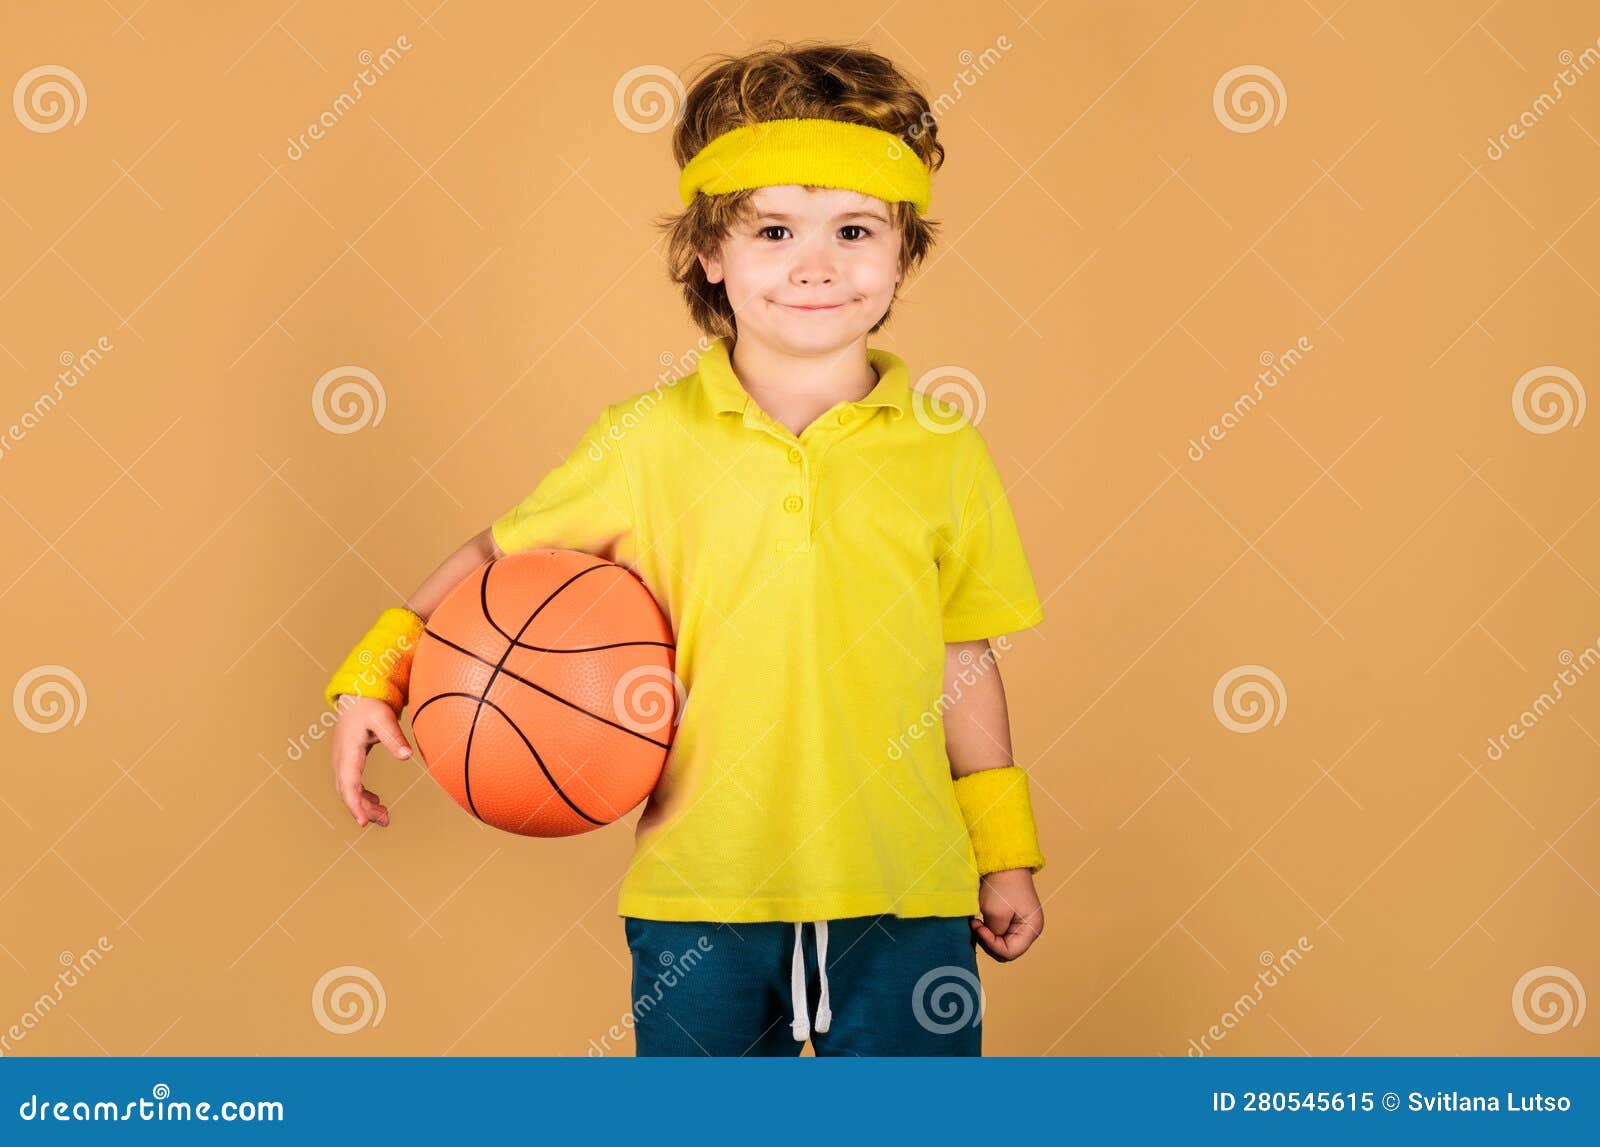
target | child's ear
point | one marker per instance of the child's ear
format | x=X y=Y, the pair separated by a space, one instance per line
x=712 y=266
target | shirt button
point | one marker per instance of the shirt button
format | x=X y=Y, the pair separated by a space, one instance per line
x=794 y=453
x=845 y=416
x=793 y=503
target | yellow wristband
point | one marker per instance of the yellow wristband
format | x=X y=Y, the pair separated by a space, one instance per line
x=995 y=805
x=380 y=664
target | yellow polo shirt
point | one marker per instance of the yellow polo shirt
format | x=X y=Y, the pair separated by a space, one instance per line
x=811 y=583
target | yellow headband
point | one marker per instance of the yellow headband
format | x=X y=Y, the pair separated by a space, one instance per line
x=810 y=152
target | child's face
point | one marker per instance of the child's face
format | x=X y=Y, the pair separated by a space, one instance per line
x=809 y=269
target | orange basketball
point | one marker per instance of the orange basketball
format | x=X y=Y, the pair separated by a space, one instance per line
x=543 y=695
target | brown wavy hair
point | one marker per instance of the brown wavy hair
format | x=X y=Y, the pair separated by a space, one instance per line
x=789 y=81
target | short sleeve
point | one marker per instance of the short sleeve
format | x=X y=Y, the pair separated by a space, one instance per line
x=583 y=504
x=985 y=586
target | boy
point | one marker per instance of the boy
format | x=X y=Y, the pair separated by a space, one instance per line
x=832 y=551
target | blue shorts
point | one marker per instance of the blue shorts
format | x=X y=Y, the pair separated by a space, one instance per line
x=888 y=985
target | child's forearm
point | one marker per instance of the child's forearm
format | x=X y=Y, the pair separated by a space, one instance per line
x=991 y=791
x=391 y=641
x=977 y=729
x=437 y=585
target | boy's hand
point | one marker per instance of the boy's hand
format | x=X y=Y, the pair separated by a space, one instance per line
x=1012 y=918
x=363 y=723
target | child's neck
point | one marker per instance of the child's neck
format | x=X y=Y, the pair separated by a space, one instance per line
x=796 y=389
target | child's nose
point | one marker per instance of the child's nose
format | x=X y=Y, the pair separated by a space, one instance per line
x=813 y=264
x=813 y=271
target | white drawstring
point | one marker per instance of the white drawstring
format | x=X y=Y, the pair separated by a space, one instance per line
x=824 y=1012
x=801 y=1024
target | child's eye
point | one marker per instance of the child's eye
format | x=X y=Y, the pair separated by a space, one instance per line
x=771 y=227
x=856 y=227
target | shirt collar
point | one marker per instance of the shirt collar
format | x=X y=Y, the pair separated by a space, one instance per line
x=725 y=393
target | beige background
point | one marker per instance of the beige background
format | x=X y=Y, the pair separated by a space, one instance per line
x=1383 y=532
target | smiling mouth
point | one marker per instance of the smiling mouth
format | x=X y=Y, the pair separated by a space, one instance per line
x=812 y=307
